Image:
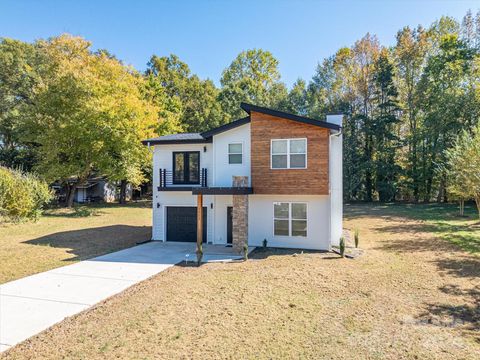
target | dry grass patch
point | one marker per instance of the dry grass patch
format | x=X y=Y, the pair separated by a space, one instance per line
x=411 y=296
x=63 y=236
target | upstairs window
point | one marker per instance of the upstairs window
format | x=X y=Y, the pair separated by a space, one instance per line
x=289 y=219
x=186 y=167
x=289 y=154
x=235 y=153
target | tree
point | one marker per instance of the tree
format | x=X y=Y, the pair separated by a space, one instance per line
x=195 y=100
x=385 y=121
x=17 y=78
x=444 y=105
x=88 y=115
x=252 y=77
x=463 y=166
x=296 y=100
x=410 y=56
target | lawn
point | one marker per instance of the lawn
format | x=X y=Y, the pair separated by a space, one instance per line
x=412 y=295
x=441 y=219
x=61 y=237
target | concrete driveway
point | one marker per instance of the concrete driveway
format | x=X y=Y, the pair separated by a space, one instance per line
x=34 y=303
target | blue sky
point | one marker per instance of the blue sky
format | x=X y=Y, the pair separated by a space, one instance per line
x=207 y=35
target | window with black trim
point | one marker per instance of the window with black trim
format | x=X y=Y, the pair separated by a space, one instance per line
x=289 y=219
x=289 y=154
x=235 y=153
x=186 y=167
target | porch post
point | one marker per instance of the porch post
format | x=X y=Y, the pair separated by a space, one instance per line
x=199 y=228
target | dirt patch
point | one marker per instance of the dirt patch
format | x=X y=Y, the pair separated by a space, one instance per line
x=410 y=296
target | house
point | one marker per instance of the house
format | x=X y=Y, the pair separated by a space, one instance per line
x=95 y=189
x=269 y=176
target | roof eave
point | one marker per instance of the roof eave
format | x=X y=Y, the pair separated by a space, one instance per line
x=226 y=127
x=249 y=108
x=170 y=142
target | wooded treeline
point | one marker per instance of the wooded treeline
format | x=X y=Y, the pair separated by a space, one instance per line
x=67 y=111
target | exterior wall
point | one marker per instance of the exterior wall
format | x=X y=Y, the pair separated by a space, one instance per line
x=163 y=159
x=221 y=202
x=260 y=222
x=81 y=195
x=223 y=171
x=313 y=180
x=177 y=198
x=336 y=188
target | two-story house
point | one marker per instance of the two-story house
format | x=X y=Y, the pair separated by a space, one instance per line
x=270 y=175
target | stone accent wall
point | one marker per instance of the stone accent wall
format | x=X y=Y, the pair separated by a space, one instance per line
x=240 y=216
x=310 y=181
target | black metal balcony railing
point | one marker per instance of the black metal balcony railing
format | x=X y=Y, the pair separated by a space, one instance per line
x=167 y=181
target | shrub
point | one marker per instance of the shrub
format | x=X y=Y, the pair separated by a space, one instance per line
x=356 y=234
x=265 y=243
x=245 y=252
x=22 y=195
x=342 y=247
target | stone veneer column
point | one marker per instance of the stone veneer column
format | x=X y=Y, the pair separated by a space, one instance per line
x=240 y=215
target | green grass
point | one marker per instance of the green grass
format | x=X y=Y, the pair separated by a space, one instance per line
x=440 y=219
x=62 y=236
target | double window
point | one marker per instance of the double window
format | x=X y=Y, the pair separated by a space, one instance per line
x=186 y=167
x=289 y=219
x=289 y=154
x=235 y=153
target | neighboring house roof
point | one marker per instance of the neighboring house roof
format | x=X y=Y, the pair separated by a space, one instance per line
x=249 y=108
x=206 y=137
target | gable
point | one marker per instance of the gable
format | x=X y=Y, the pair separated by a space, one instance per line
x=313 y=180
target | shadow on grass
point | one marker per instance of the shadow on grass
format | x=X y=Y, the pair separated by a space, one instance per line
x=88 y=243
x=439 y=219
x=95 y=209
x=466 y=316
x=451 y=234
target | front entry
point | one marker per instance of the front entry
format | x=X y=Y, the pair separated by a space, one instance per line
x=182 y=223
x=229 y=224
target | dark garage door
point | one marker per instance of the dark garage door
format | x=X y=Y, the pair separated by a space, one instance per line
x=182 y=223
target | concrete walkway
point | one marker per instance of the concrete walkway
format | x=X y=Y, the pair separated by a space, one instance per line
x=34 y=303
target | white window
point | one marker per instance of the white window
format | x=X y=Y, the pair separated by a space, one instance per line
x=289 y=219
x=289 y=154
x=235 y=153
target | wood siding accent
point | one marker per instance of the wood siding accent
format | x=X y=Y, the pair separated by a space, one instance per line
x=310 y=181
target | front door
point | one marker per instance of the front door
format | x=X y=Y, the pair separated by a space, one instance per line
x=229 y=224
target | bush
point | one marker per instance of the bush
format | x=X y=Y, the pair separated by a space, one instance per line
x=22 y=195
x=342 y=247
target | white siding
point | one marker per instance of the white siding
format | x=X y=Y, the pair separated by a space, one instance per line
x=162 y=159
x=336 y=188
x=223 y=171
x=178 y=198
x=220 y=220
x=260 y=222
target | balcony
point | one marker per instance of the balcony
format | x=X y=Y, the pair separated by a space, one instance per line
x=168 y=183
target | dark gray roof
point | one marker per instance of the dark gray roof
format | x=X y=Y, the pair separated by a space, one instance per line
x=177 y=138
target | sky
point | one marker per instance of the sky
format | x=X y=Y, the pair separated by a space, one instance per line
x=208 y=35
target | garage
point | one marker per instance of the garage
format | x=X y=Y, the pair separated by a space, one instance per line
x=182 y=223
